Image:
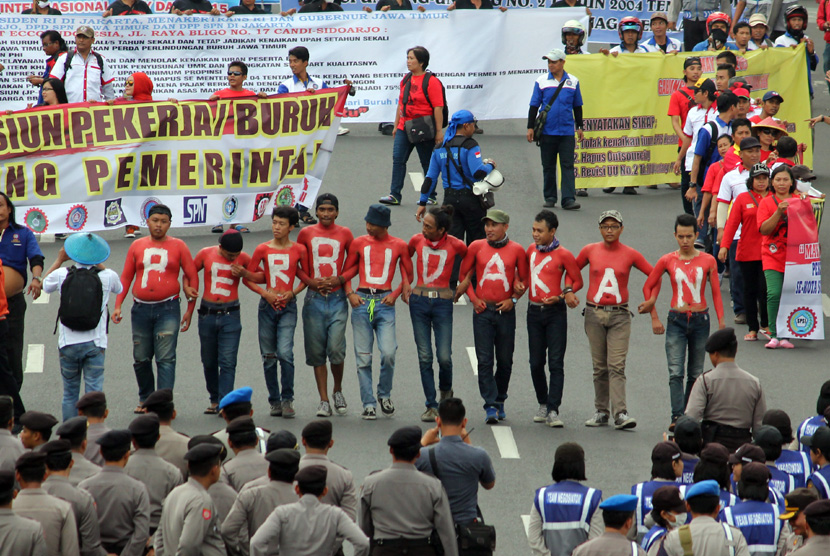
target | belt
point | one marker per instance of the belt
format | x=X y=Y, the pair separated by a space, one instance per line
x=452 y=190
x=622 y=307
x=541 y=305
x=727 y=430
x=688 y=313
x=402 y=542
x=224 y=311
x=373 y=291
x=174 y=298
x=433 y=293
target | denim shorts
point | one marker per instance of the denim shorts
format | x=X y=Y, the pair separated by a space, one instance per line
x=324 y=327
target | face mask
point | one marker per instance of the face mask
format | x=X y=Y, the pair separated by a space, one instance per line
x=679 y=520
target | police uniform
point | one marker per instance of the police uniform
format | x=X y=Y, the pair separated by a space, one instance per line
x=612 y=543
x=10 y=449
x=93 y=451
x=727 y=400
x=240 y=395
x=394 y=526
x=797 y=501
x=74 y=431
x=18 y=535
x=342 y=492
x=817 y=545
x=758 y=521
x=253 y=505
x=188 y=522
x=223 y=498
x=171 y=446
x=82 y=469
x=248 y=464
x=122 y=503
x=308 y=527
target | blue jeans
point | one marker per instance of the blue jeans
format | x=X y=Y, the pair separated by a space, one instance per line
x=219 y=337
x=826 y=59
x=401 y=149
x=493 y=330
x=155 y=333
x=368 y=320
x=276 y=345
x=736 y=280
x=432 y=315
x=85 y=359
x=685 y=332
x=324 y=327
x=562 y=146
x=547 y=336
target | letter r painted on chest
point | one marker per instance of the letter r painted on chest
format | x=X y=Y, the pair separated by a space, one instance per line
x=277 y=264
x=160 y=264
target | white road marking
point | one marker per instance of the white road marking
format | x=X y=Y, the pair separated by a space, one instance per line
x=417 y=179
x=526 y=522
x=34 y=358
x=825 y=303
x=42 y=300
x=45 y=238
x=506 y=442
x=462 y=300
x=471 y=353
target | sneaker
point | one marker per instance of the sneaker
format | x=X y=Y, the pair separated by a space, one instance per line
x=429 y=415
x=573 y=205
x=288 y=409
x=581 y=192
x=342 y=131
x=389 y=200
x=786 y=344
x=276 y=410
x=550 y=203
x=324 y=409
x=553 y=420
x=444 y=394
x=387 y=407
x=130 y=232
x=432 y=201
x=624 y=421
x=307 y=219
x=491 y=416
x=502 y=414
x=598 y=420
x=773 y=344
x=369 y=413
x=340 y=403
x=629 y=191
x=541 y=414
x=608 y=189
x=740 y=319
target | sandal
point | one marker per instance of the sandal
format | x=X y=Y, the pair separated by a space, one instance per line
x=217 y=229
x=241 y=229
x=139 y=410
x=212 y=409
x=751 y=337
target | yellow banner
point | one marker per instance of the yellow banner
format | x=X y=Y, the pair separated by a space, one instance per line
x=629 y=139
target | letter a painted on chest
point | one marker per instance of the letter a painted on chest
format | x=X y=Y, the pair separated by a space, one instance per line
x=494 y=270
x=608 y=285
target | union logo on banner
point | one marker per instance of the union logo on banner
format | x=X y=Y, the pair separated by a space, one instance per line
x=802 y=322
x=76 y=218
x=36 y=220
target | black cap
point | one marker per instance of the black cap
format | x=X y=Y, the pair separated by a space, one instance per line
x=241 y=424
x=405 y=437
x=29 y=460
x=208 y=439
x=145 y=425
x=56 y=447
x=755 y=474
x=118 y=438
x=748 y=453
x=286 y=458
x=803 y=173
x=820 y=440
x=91 y=399
x=327 y=199
x=312 y=477
x=281 y=439
x=668 y=498
x=159 y=397
x=750 y=143
x=690 y=61
x=38 y=421
x=768 y=436
x=203 y=452
x=687 y=428
x=73 y=428
x=715 y=453
x=721 y=340
x=819 y=508
x=317 y=429
x=665 y=451
x=6 y=483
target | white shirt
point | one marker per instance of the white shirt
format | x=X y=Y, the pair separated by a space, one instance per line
x=672 y=45
x=85 y=81
x=695 y=119
x=110 y=282
x=733 y=184
x=294 y=85
x=618 y=48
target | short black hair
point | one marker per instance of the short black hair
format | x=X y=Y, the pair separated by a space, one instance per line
x=779 y=170
x=759 y=493
x=685 y=220
x=406 y=453
x=146 y=441
x=160 y=209
x=318 y=441
x=114 y=453
x=243 y=439
x=549 y=218
x=239 y=64
x=729 y=68
x=663 y=470
x=54 y=36
x=740 y=122
x=452 y=411
x=279 y=473
x=59 y=461
x=658 y=518
x=421 y=54
x=772 y=453
x=740 y=25
x=289 y=213
x=443 y=216
x=202 y=468
x=729 y=58
x=164 y=411
x=6 y=413
x=707 y=470
x=787 y=147
x=75 y=440
x=6 y=497
x=726 y=100
x=727 y=137
x=313 y=489
x=615 y=519
x=96 y=411
x=819 y=525
x=33 y=473
x=568 y=470
x=729 y=351
x=705 y=504
x=299 y=52
x=234 y=410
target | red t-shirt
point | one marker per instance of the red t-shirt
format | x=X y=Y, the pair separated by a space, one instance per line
x=773 y=246
x=417 y=105
x=495 y=270
x=435 y=260
x=375 y=261
x=713 y=178
x=610 y=268
x=280 y=265
x=221 y=286
x=679 y=105
x=688 y=281
x=765 y=154
x=155 y=266
x=229 y=93
x=327 y=248
x=743 y=213
x=546 y=271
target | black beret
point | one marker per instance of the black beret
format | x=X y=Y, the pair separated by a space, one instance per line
x=90 y=399
x=286 y=458
x=159 y=397
x=755 y=474
x=28 y=460
x=115 y=439
x=208 y=439
x=72 y=428
x=281 y=439
x=37 y=421
x=241 y=424
x=405 y=436
x=6 y=482
x=721 y=340
x=203 y=452
x=145 y=425
x=311 y=476
x=715 y=453
x=317 y=428
x=56 y=447
x=819 y=508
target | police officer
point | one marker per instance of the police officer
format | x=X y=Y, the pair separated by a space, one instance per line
x=276 y=441
x=618 y=516
x=817 y=516
x=728 y=400
x=797 y=501
x=188 y=522
x=769 y=439
x=74 y=431
x=10 y=446
x=566 y=513
x=694 y=14
x=819 y=444
x=18 y=535
x=37 y=429
x=253 y=505
x=308 y=527
x=58 y=484
x=158 y=476
x=171 y=445
x=317 y=441
x=248 y=464
x=93 y=406
x=397 y=528
x=223 y=495
x=236 y=404
x=666 y=468
x=459 y=162
x=122 y=502
x=753 y=515
x=704 y=536
x=668 y=512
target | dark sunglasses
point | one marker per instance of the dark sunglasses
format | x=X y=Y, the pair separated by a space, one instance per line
x=130 y=82
x=769 y=131
x=235 y=73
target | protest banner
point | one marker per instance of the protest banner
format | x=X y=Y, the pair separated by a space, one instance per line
x=79 y=167
x=800 y=314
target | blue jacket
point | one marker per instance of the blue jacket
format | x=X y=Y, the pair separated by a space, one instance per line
x=560 y=120
x=467 y=154
x=18 y=245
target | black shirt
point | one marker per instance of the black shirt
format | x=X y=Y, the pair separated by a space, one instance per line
x=198 y=6
x=393 y=5
x=139 y=7
x=468 y=5
x=242 y=10
x=52 y=11
x=317 y=6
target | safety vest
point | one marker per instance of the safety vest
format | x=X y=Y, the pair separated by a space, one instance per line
x=688 y=472
x=566 y=509
x=654 y=535
x=759 y=523
x=797 y=465
x=780 y=481
x=726 y=498
x=821 y=481
x=807 y=428
x=644 y=492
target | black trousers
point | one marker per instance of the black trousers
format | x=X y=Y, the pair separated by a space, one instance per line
x=14 y=340
x=8 y=385
x=693 y=33
x=755 y=294
x=466 y=221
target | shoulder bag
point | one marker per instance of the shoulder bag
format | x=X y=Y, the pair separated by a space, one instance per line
x=542 y=117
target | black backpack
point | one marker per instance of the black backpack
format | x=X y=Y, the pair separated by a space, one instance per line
x=425 y=86
x=67 y=64
x=82 y=295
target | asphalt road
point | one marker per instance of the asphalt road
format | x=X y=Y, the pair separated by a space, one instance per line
x=522 y=451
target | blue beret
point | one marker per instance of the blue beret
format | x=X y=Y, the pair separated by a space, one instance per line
x=240 y=395
x=703 y=488
x=620 y=503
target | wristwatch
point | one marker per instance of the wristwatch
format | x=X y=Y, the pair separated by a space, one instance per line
x=38 y=278
x=514 y=300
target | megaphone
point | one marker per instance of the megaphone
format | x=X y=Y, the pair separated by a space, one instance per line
x=491 y=182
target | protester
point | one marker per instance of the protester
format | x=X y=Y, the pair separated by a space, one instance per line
x=823 y=22
x=573 y=34
x=682 y=101
x=718 y=26
x=128 y=7
x=759 y=31
x=630 y=30
x=796 y=21
x=316 y=6
x=768 y=131
x=9 y=388
x=245 y=7
x=191 y=7
x=386 y=5
x=725 y=72
x=41 y=7
x=659 y=41
x=86 y=75
x=695 y=28
x=769 y=107
x=704 y=110
x=743 y=38
x=54 y=47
